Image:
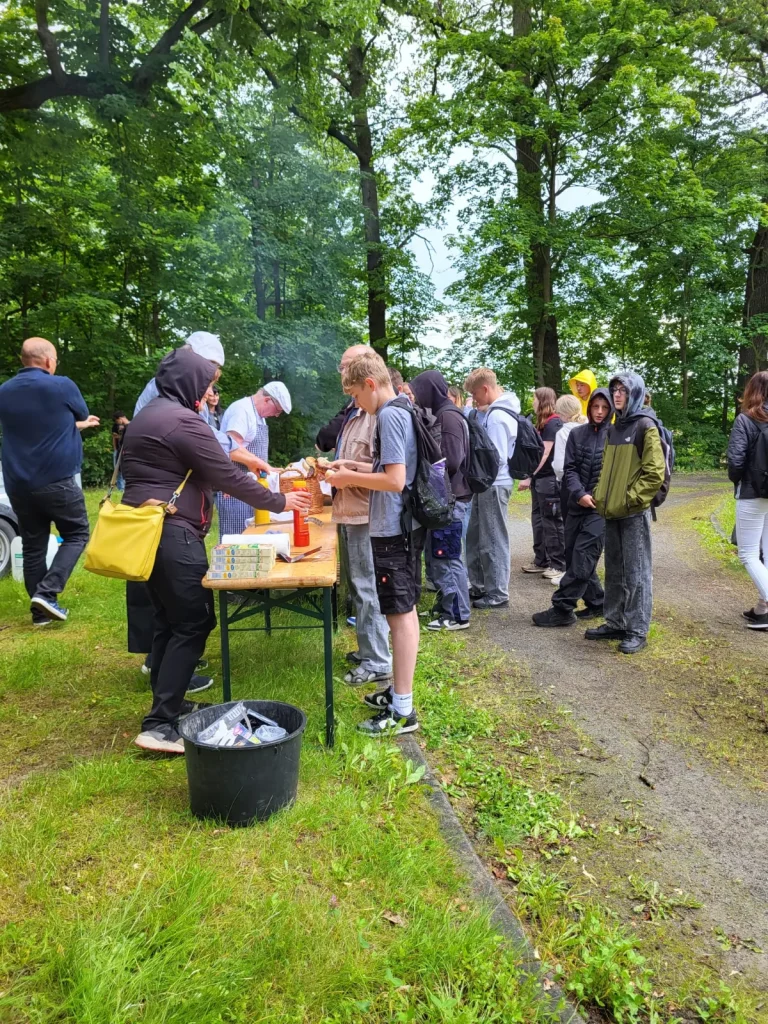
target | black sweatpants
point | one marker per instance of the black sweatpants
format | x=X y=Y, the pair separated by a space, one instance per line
x=547 y=522
x=584 y=536
x=184 y=617
x=140 y=613
x=61 y=503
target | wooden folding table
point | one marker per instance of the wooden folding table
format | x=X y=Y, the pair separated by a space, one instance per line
x=297 y=585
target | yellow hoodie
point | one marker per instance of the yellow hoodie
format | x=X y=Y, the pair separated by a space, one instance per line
x=584 y=377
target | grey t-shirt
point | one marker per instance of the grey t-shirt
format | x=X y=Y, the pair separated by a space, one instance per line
x=394 y=443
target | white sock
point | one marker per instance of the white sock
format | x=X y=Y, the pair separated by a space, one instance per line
x=402 y=704
x=761 y=608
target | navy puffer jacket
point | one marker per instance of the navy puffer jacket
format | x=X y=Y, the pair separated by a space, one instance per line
x=584 y=457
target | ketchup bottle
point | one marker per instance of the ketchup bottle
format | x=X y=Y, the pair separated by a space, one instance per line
x=300 y=525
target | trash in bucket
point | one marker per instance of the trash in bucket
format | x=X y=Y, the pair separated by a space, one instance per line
x=242 y=781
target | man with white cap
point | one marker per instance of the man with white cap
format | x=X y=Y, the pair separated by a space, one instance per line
x=245 y=422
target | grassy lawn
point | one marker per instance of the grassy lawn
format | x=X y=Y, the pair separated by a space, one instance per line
x=117 y=906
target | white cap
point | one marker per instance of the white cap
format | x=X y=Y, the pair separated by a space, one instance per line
x=277 y=390
x=206 y=345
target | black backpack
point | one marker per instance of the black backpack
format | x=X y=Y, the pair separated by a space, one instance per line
x=758 y=462
x=529 y=448
x=483 y=463
x=429 y=498
x=669 y=456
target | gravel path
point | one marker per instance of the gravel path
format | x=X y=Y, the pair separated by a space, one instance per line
x=713 y=828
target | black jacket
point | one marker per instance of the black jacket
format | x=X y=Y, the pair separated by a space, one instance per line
x=168 y=437
x=431 y=392
x=584 y=458
x=741 y=446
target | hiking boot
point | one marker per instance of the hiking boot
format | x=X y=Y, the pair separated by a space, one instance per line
x=553 y=617
x=605 y=632
x=199 y=683
x=388 y=723
x=450 y=624
x=758 y=622
x=379 y=700
x=162 y=740
x=49 y=607
x=484 y=603
x=589 y=613
x=633 y=644
x=533 y=567
x=362 y=676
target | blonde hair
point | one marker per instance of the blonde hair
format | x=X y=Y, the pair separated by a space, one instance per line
x=568 y=408
x=369 y=364
x=479 y=377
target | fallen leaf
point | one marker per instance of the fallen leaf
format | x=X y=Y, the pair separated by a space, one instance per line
x=498 y=872
x=395 y=919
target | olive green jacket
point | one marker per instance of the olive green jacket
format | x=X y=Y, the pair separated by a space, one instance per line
x=628 y=482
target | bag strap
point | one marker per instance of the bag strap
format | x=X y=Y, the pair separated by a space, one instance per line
x=113 y=481
x=170 y=508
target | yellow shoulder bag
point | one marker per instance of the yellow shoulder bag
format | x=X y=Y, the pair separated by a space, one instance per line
x=124 y=541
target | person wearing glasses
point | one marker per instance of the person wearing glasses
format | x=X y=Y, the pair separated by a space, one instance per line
x=632 y=473
x=41 y=416
x=245 y=422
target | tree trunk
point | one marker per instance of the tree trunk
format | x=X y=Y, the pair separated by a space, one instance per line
x=542 y=323
x=259 y=287
x=753 y=353
x=369 y=191
x=276 y=287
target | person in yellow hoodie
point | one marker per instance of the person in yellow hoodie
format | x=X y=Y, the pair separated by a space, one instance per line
x=582 y=385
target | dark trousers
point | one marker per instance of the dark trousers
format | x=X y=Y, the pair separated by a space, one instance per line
x=141 y=618
x=629 y=574
x=547 y=523
x=62 y=504
x=184 y=617
x=584 y=535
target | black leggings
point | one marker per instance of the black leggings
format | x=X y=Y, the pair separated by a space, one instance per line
x=184 y=617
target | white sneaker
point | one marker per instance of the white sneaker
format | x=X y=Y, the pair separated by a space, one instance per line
x=555 y=580
x=164 y=740
x=549 y=573
x=450 y=624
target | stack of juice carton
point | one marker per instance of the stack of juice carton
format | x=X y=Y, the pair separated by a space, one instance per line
x=241 y=561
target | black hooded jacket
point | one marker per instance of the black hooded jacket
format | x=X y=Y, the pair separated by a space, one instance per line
x=430 y=390
x=584 y=457
x=741 y=454
x=168 y=437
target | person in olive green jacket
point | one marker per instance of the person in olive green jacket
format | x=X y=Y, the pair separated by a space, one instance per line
x=633 y=471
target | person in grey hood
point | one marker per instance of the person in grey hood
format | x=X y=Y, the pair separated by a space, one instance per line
x=584 y=526
x=633 y=471
x=449 y=574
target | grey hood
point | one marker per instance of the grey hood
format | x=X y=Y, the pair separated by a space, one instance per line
x=635 y=386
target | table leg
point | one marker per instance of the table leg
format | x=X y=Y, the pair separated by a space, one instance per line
x=328 y=648
x=224 y=630
x=335 y=605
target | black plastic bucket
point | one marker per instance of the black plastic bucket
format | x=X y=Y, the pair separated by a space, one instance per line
x=242 y=784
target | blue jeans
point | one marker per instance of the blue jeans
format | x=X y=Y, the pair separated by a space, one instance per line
x=450 y=574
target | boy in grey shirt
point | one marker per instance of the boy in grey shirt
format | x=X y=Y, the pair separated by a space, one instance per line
x=395 y=539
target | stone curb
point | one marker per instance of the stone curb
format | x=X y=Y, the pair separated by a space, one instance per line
x=485 y=889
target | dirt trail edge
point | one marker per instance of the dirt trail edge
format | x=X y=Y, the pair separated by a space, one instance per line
x=712 y=826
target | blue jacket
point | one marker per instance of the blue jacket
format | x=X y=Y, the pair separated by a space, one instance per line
x=41 y=443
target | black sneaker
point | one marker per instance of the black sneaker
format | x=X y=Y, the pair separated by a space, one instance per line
x=389 y=723
x=379 y=700
x=476 y=594
x=758 y=622
x=452 y=625
x=199 y=683
x=38 y=619
x=633 y=644
x=605 y=632
x=589 y=613
x=553 y=617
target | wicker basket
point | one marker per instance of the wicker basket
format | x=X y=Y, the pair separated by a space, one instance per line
x=316 y=497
